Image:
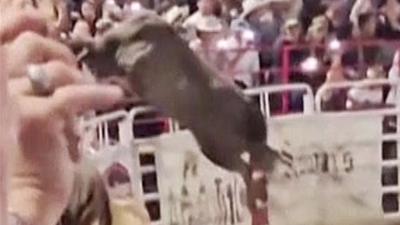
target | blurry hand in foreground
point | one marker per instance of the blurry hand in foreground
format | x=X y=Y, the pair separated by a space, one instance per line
x=44 y=153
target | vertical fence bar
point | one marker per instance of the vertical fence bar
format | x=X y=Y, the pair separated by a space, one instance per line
x=285 y=77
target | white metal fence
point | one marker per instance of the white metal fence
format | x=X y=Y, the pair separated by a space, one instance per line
x=97 y=131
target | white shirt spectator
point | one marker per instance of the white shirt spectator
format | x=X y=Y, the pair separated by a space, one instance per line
x=242 y=62
x=364 y=96
x=367 y=97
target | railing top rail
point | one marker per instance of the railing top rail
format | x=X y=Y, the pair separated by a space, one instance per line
x=376 y=112
x=278 y=88
x=140 y=109
x=106 y=117
x=350 y=84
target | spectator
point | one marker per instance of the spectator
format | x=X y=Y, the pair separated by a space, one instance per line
x=367 y=97
x=318 y=32
x=360 y=7
x=311 y=9
x=242 y=61
x=207 y=43
x=263 y=19
x=291 y=36
x=317 y=37
x=206 y=8
x=363 y=51
x=339 y=22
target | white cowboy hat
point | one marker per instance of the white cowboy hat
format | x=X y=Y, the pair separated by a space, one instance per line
x=209 y=24
x=249 y=6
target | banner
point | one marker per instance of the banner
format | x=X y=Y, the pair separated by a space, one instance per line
x=333 y=176
x=193 y=190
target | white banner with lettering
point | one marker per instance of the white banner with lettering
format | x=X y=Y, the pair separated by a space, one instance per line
x=193 y=190
x=334 y=177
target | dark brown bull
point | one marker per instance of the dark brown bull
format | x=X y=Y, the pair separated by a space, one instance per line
x=147 y=54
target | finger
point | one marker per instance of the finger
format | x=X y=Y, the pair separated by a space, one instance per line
x=59 y=75
x=11 y=25
x=31 y=48
x=76 y=99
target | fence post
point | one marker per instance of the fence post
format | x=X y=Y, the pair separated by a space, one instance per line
x=285 y=76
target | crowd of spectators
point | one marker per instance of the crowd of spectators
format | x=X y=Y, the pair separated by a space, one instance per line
x=255 y=42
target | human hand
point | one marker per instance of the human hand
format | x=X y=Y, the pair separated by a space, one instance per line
x=42 y=162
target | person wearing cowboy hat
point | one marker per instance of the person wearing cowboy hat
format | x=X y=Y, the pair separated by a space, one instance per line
x=265 y=17
x=208 y=32
x=205 y=8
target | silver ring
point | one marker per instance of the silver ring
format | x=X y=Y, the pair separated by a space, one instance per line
x=39 y=79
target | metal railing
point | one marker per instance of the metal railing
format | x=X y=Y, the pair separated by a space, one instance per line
x=353 y=84
x=264 y=92
x=126 y=121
